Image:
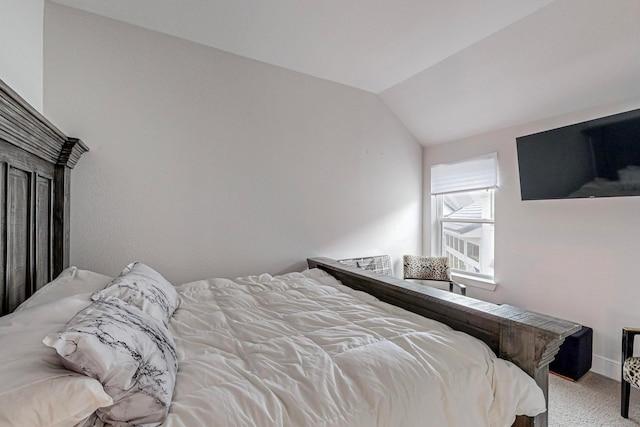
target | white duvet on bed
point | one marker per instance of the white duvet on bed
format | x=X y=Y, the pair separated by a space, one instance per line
x=304 y=350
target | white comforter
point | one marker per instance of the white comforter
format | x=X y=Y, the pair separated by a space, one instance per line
x=304 y=350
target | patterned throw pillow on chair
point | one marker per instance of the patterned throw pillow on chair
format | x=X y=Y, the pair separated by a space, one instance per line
x=631 y=371
x=426 y=268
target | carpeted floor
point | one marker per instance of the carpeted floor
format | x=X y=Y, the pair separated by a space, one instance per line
x=592 y=401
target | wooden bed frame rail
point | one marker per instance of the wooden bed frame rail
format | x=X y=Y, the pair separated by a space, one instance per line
x=529 y=340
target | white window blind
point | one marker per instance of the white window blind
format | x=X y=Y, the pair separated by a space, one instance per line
x=478 y=173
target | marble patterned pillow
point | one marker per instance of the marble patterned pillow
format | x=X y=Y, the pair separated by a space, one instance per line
x=142 y=286
x=131 y=353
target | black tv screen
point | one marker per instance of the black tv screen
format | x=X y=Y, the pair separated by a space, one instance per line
x=596 y=158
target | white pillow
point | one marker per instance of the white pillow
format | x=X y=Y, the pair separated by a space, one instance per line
x=71 y=281
x=57 y=401
x=145 y=288
x=36 y=389
x=130 y=352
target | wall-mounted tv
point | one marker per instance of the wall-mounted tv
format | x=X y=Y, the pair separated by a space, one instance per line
x=596 y=158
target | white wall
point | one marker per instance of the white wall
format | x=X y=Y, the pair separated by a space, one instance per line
x=207 y=164
x=21 y=48
x=575 y=259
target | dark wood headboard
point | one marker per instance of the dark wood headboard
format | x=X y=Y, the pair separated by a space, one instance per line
x=529 y=340
x=35 y=164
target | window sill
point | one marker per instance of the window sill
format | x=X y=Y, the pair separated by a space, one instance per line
x=475 y=282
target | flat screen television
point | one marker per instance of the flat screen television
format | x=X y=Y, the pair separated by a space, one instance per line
x=596 y=158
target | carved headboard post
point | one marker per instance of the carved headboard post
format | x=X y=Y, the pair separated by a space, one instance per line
x=71 y=151
x=35 y=164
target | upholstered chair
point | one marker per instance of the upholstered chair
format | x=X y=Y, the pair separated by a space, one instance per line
x=430 y=268
x=630 y=368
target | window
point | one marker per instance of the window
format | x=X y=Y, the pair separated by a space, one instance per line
x=473 y=251
x=464 y=200
x=465 y=228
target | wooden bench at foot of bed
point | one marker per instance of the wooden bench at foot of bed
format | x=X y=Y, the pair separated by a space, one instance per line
x=530 y=340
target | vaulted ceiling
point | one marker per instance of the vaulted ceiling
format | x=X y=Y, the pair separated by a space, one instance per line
x=447 y=68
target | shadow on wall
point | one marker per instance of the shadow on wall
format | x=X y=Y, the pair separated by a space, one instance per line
x=298 y=266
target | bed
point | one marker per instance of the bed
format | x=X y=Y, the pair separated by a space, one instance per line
x=332 y=345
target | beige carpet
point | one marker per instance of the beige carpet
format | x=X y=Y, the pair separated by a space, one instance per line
x=592 y=401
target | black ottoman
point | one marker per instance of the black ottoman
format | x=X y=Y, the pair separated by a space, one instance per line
x=574 y=358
